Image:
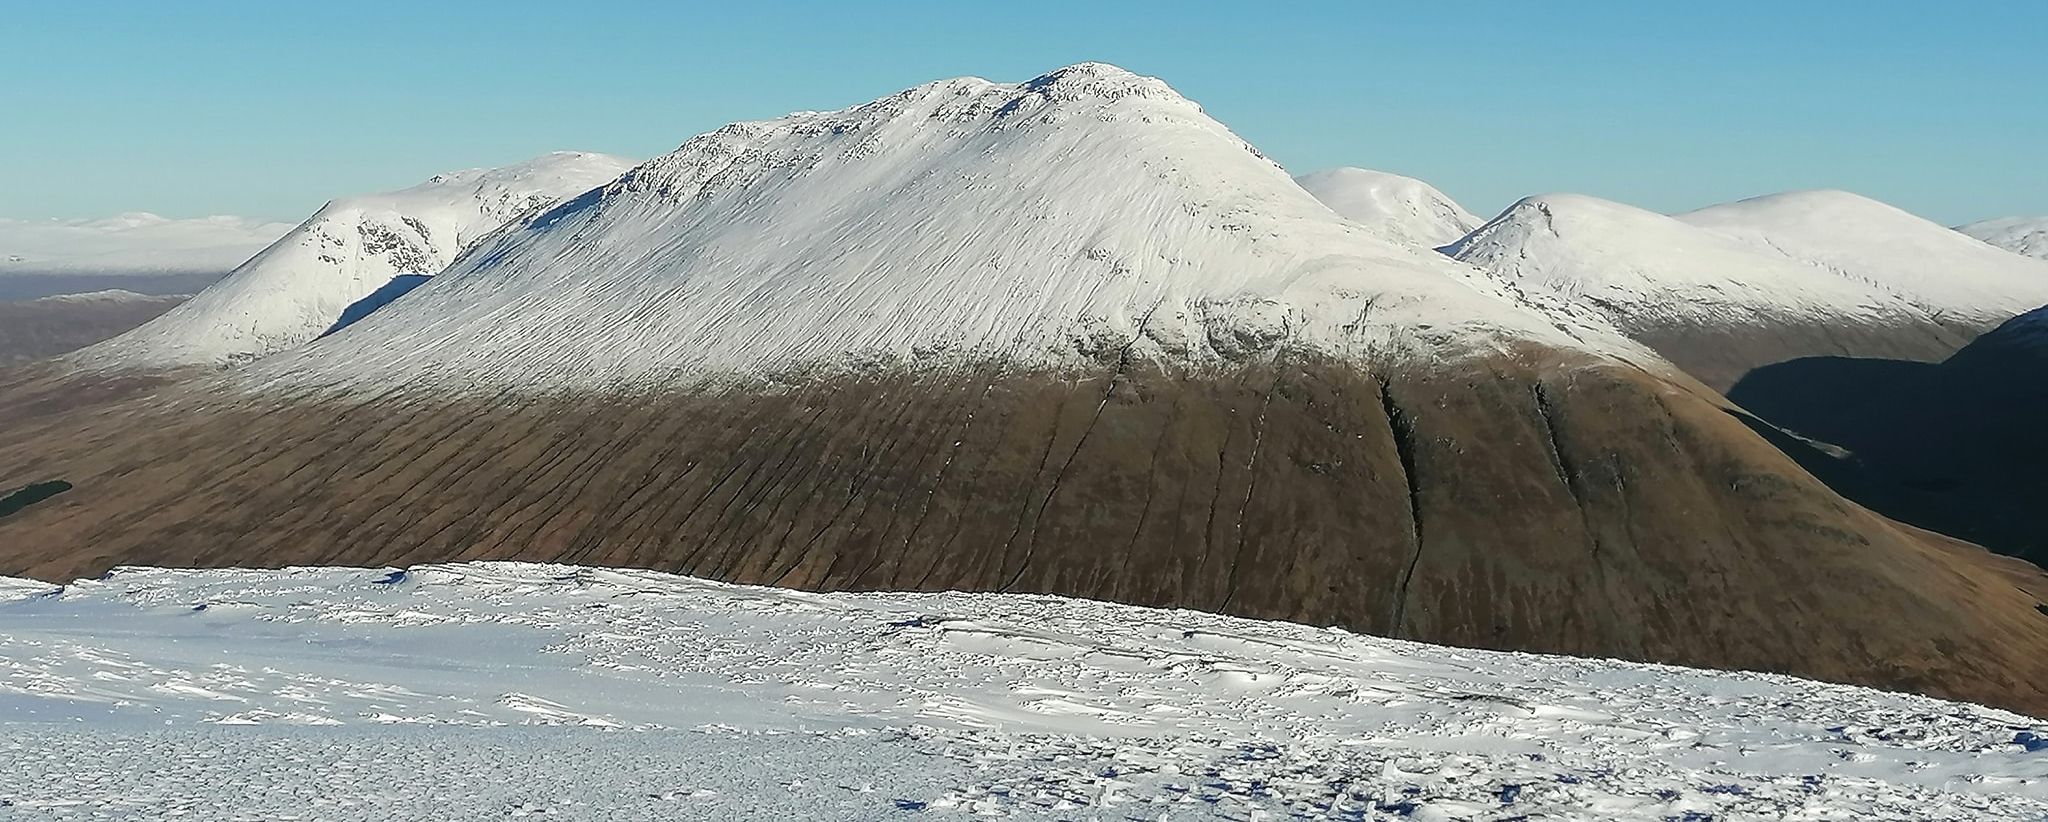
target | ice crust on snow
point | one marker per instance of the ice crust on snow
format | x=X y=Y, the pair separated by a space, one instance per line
x=133 y=244
x=495 y=689
x=1939 y=270
x=299 y=286
x=2019 y=235
x=1402 y=208
x=1085 y=216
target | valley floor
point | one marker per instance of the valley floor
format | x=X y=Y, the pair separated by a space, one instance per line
x=486 y=691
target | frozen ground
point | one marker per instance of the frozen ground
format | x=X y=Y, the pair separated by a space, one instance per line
x=489 y=691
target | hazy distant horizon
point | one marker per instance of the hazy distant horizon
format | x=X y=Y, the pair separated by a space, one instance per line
x=1667 y=108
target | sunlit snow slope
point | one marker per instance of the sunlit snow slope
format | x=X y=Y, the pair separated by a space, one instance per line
x=509 y=690
x=1082 y=217
x=300 y=285
x=2020 y=235
x=1944 y=272
x=1403 y=208
x=1717 y=305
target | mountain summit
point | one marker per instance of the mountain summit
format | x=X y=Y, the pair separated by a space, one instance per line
x=301 y=284
x=1403 y=208
x=1069 y=335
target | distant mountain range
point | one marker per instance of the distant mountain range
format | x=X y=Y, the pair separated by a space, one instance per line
x=1074 y=336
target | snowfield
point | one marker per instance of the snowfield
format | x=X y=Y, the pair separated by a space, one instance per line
x=499 y=690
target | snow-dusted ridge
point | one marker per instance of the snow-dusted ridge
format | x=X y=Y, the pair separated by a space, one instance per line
x=1939 y=270
x=1084 y=216
x=1402 y=208
x=299 y=286
x=1724 y=290
x=2019 y=235
x=426 y=683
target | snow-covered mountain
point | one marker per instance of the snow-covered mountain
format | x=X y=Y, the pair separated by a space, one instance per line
x=1719 y=305
x=486 y=690
x=134 y=244
x=300 y=285
x=1403 y=208
x=1955 y=277
x=1068 y=336
x=1084 y=216
x=2020 y=235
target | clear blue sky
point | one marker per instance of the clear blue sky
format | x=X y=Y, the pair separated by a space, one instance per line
x=266 y=108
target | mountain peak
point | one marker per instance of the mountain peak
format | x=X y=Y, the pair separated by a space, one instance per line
x=1404 y=208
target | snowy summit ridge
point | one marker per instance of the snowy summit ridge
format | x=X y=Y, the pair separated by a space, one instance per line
x=1085 y=215
x=299 y=286
x=1403 y=208
x=2019 y=235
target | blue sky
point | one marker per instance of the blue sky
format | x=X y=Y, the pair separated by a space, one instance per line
x=267 y=109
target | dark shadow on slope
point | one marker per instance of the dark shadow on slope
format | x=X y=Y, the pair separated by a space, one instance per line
x=31 y=494
x=1960 y=448
x=398 y=287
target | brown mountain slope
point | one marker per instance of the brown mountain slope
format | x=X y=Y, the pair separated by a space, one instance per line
x=1535 y=504
x=34 y=329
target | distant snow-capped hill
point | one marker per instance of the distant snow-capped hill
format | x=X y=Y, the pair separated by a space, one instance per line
x=2020 y=235
x=1714 y=304
x=1403 y=208
x=1946 y=273
x=134 y=244
x=300 y=285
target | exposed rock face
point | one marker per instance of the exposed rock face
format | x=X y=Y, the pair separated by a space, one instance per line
x=1957 y=447
x=1069 y=336
x=35 y=329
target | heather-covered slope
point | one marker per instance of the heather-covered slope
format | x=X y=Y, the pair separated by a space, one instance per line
x=35 y=329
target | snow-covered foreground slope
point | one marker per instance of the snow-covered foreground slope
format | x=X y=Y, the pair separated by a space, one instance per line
x=1939 y=270
x=136 y=244
x=1403 y=208
x=490 y=690
x=1083 y=217
x=300 y=285
x=1716 y=305
x=2020 y=235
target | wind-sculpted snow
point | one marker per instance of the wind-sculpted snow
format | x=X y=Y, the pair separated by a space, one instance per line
x=2019 y=235
x=300 y=285
x=1402 y=208
x=492 y=690
x=1082 y=218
